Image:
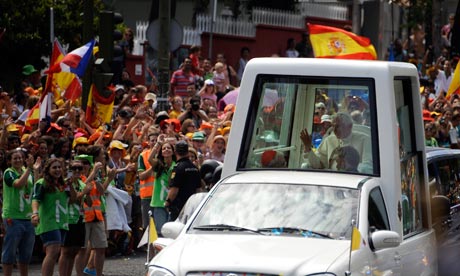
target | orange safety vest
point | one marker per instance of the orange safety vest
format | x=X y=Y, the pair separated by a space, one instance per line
x=146 y=185
x=94 y=211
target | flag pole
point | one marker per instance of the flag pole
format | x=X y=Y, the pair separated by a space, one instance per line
x=353 y=226
x=148 y=238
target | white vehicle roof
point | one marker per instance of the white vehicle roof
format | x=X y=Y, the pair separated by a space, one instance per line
x=294 y=177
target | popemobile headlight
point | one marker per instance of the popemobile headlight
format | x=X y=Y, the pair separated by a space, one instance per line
x=159 y=271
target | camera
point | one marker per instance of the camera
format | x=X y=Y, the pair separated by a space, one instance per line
x=135 y=90
x=124 y=113
x=195 y=106
x=442 y=121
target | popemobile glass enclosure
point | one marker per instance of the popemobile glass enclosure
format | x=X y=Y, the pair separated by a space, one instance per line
x=286 y=104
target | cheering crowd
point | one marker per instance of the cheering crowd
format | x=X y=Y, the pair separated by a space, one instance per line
x=81 y=190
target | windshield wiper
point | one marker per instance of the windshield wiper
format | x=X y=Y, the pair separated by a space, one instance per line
x=301 y=231
x=226 y=227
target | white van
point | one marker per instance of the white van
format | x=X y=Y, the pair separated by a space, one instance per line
x=283 y=209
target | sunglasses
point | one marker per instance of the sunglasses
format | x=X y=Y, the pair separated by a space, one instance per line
x=77 y=168
x=22 y=149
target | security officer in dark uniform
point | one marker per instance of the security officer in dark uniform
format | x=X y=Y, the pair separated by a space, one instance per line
x=185 y=181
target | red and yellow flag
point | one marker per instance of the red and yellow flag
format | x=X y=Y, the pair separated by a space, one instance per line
x=99 y=108
x=330 y=42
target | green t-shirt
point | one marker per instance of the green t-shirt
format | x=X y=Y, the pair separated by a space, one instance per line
x=17 y=202
x=76 y=209
x=432 y=142
x=141 y=167
x=160 y=189
x=53 y=210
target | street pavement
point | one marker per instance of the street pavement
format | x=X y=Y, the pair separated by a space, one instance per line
x=132 y=265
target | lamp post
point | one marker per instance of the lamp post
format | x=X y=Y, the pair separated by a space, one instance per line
x=213 y=20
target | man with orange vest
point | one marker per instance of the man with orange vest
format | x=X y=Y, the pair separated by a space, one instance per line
x=147 y=178
x=94 y=219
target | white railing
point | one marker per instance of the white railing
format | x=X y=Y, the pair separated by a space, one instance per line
x=245 y=28
x=191 y=36
x=140 y=37
x=278 y=18
x=335 y=11
x=227 y=26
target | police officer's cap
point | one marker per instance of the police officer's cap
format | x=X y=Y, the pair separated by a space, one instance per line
x=182 y=147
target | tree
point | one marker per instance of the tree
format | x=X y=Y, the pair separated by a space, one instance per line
x=288 y=5
x=27 y=33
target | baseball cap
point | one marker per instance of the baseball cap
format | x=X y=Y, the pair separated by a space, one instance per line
x=86 y=157
x=198 y=136
x=181 y=147
x=28 y=70
x=326 y=118
x=209 y=82
x=79 y=141
x=150 y=96
x=320 y=105
x=115 y=144
x=162 y=115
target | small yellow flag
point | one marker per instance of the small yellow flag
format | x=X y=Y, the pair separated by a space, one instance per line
x=153 y=236
x=355 y=239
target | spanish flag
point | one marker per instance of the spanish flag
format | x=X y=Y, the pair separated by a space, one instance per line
x=330 y=42
x=62 y=84
x=99 y=108
x=455 y=84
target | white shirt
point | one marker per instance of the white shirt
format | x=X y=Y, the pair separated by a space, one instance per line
x=440 y=83
x=292 y=53
x=360 y=141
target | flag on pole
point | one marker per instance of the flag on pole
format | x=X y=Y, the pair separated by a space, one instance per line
x=455 y=84
x=150 y=234
x=330 y=42
x=75 y=61
x=99 y=108
x=35 y=113
x=355 y=239
x=153 y=235
x=33 y=116
x=45 y=108
x=74 y=90
x=57 y=55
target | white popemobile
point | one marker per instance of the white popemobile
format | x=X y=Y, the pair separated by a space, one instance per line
x=356 y=202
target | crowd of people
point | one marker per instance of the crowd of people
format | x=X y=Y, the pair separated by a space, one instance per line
x=80 y=192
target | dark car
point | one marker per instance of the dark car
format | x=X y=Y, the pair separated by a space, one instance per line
x=444 y=178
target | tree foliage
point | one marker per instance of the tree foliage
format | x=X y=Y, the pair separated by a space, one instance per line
x=27 y=32
x=288 y=5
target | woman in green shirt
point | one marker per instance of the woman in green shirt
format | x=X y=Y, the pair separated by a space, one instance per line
x=17 y=190
x=162 y=158
x=50 y=211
